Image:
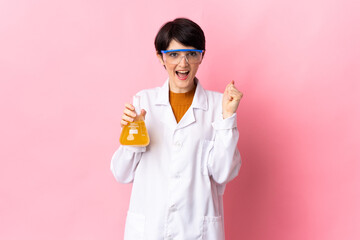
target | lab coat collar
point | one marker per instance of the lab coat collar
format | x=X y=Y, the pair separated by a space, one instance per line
x=199 y=101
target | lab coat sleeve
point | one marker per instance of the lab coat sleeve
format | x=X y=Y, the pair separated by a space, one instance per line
x=124 y=162
x=224 y=159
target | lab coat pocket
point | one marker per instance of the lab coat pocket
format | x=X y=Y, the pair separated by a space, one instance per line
x=206 y=149
x=134 y=226
x=212 y=228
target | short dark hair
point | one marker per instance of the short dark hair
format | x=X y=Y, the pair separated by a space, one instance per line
x=182 y=30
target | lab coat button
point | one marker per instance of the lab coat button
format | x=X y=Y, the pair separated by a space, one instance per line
x=177 y=146
x=173 y=208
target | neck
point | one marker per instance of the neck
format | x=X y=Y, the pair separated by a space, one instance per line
x=175 y=89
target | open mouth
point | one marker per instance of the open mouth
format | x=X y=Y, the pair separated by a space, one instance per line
x=182 y=75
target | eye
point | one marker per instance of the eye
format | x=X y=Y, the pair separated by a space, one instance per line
x=173 y=54
x=192 y=54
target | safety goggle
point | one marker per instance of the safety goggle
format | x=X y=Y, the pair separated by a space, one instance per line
x=174 y=56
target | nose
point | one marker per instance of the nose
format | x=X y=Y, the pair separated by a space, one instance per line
x=183 y=61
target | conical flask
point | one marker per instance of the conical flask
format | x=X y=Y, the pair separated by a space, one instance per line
x=135 y=133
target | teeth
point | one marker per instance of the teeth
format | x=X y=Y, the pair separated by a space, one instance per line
x=183 y=71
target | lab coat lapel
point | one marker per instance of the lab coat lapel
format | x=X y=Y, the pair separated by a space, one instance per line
x=162 y=101
x=187 y=119
x=168 y=118
x=199 y=101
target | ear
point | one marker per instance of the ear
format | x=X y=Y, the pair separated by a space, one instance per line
x=161 y=60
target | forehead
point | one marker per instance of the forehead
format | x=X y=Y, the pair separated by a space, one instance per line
x=177 y=45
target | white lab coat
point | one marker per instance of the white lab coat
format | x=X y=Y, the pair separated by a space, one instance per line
x=179 y=178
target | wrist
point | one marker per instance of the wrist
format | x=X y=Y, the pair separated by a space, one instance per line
x=227 y=115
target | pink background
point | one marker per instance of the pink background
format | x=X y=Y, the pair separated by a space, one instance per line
x=67 y=67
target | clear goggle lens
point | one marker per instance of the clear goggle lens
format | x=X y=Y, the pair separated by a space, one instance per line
x=175 y=56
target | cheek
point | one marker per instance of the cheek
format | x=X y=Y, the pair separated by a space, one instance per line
x=194 y=69
x=170 y=69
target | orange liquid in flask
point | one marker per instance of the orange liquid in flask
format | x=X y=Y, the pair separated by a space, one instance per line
x=135 y=133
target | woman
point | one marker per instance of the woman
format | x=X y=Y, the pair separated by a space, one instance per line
x=179 y=178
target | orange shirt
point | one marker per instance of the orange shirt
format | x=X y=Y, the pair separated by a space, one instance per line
x=180 y=103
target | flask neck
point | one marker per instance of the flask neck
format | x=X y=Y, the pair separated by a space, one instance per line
x=136 y=104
